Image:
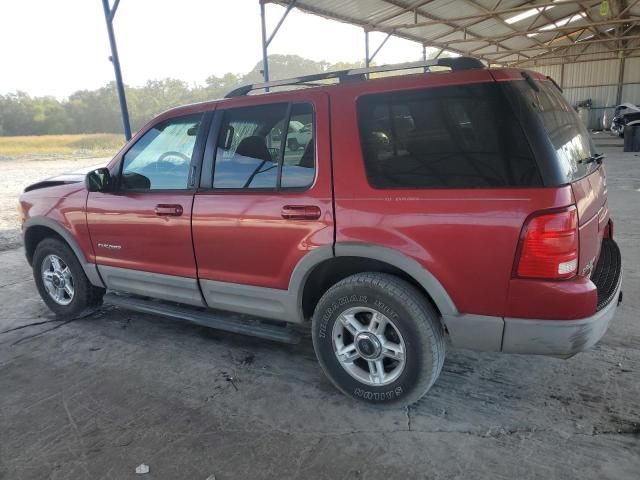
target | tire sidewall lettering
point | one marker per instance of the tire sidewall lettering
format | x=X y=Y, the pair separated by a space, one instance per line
x=338 y=306
x=378 y=396
x=387 y=393
x=401 y=303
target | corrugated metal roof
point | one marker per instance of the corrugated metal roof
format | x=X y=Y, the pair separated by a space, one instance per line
x=507 y=32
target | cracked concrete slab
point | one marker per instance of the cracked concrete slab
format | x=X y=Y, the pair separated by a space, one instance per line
x=96 y=397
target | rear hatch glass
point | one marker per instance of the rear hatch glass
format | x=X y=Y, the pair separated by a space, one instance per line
x=569 y=137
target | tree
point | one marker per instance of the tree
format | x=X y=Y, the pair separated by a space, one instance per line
x=98 y=111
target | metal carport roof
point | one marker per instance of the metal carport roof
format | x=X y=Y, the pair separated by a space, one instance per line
x=499 y=32
x=502 y=32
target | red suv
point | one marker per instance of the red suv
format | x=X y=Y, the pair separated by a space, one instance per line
x=467 y=204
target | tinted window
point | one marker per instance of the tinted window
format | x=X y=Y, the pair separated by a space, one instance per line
x=298 y=169
x=568 y=135
x=161 y=158
x=253 y=143
x=455 y=137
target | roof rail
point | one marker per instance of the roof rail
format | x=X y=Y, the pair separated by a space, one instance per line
x=457 y=63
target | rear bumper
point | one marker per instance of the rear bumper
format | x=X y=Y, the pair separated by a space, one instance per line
x=554 y=337
x=558 y=337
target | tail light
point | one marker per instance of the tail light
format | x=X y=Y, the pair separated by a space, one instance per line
x=549 y=246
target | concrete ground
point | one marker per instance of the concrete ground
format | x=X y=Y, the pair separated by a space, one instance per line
x=96 y=397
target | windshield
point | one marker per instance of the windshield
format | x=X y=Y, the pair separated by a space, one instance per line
x=566 y=132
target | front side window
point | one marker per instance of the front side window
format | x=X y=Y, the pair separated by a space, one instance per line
x=255 y=150
x=161 y=159
x=447 y=137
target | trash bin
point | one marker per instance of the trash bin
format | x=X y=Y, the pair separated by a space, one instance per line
x=583 y=114
x=632 y=138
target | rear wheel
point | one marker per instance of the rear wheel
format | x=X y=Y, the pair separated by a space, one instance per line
x=378 y=339
x=61 y=281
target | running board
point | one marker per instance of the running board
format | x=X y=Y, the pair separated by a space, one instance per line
x=228 y=322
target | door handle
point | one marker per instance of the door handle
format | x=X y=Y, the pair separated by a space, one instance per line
x=165 y=210
x=300 y=212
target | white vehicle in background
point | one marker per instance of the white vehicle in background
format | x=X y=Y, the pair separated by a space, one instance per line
x=625 y=115
x=298 y=136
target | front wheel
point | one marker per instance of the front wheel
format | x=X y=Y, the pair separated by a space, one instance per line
x=378 y=339
x=61 y=281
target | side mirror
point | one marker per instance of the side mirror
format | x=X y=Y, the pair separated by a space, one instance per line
x=98 y=180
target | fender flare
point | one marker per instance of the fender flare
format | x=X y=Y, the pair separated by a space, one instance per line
x=375 y=252
x=89 y=268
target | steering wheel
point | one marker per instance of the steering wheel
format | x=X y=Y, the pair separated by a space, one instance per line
x=166 y=166
x=174 y=154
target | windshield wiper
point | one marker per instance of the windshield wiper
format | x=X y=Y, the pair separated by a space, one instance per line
x=598 y=157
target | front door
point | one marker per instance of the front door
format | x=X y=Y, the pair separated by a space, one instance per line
x=265 y=200
x=141 y=231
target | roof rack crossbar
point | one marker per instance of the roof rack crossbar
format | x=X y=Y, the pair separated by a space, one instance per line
x=457 y=63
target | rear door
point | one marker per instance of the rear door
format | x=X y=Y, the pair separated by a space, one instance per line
x=141 y=231
x=265 y=201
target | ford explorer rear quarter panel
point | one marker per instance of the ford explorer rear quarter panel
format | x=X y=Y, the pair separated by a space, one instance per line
x=552 y=300
x=570 y=154
x=467 y=238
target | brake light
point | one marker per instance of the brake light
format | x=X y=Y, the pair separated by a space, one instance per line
x=549 y=246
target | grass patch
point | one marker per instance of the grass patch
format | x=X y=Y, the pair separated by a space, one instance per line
x=95 y=144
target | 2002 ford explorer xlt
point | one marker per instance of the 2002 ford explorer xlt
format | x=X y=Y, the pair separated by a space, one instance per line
x=468 y=203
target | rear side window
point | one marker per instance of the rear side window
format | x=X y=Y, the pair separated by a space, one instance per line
x=447 y=137
x=266 y=146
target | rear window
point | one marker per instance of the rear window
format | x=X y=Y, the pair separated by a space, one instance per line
x=449 y=137
x=567 y=134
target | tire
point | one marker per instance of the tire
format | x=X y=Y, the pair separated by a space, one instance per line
x=413 y=326
x=85 y=295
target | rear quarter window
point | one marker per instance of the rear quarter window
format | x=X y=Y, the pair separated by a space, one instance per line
x=445 y=137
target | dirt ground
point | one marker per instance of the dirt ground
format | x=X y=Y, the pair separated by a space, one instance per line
x=96 y=397
x=16 y=174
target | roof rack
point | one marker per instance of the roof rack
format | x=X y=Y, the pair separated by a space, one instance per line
x=457 y=63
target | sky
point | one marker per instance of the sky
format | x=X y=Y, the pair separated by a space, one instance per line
x=55 y=47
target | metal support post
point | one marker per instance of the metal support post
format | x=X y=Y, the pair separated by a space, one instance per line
x=265 y=60
x=424 y=57
x=109 y=14
x=366 y=49
x=380 y=47
x=267 y=41
x=620 y=80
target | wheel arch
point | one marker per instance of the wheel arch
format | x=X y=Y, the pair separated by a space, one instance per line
x=314 y=276
x=37 y=229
